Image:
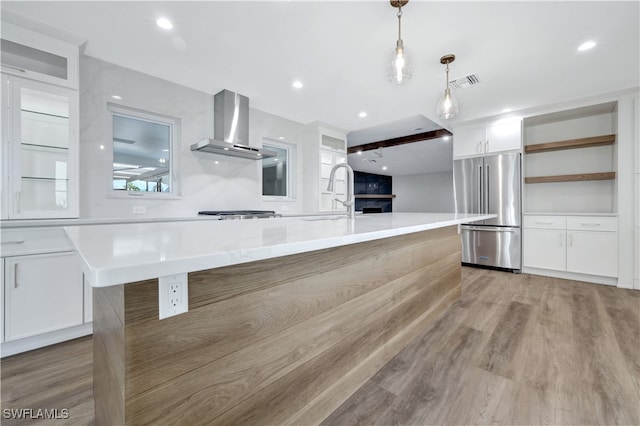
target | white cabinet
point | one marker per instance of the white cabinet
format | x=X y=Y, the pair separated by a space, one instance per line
x=545 y=248
x=592 y=245
x=44 y=297
x=88 y=302
x=39 y=150
x=43 y=293
x=544 y=242
x=36 y=56
x=2 y=300
x=324 y=148
x=488 y=138
x=585 y=245
x=328 y=202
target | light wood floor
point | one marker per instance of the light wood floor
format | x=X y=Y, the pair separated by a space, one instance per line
x=514 y=350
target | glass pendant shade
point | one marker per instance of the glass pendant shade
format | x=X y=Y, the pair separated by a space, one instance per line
x=448 y=105
x=400 y=68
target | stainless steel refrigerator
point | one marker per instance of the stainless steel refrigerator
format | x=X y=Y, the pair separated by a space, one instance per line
x=490 y=185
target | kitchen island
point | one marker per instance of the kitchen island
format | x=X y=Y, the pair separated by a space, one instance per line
x=287 y=317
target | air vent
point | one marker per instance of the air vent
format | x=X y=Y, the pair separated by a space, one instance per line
x=463 y=82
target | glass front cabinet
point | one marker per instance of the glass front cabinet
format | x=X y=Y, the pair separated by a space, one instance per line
x=39 y=150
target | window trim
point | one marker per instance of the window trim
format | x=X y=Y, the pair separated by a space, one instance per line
x=174 y=124
x=291 y=170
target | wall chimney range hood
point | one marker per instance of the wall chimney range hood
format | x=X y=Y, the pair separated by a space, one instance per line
x=231 y=129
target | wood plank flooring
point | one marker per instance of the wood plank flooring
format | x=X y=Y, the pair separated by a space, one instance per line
x=514 y=350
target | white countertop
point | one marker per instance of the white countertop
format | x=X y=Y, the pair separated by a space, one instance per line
x=570 y=214
x=32 y=223
x=122 y=253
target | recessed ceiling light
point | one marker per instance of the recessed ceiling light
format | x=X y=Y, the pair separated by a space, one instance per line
x=384 y=167
x=362 y=114
x=506 y=110
x=102 y=147
x=446 y=138
x=116 y=97
x=297 y=84
x=164 y=23
x=216 y=162
x=359 y=152
x=586 y=45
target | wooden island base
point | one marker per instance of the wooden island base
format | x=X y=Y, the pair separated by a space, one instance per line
x=279 y=341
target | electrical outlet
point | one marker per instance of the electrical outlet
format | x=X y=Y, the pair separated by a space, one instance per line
x=173 y=295
x=139 y=209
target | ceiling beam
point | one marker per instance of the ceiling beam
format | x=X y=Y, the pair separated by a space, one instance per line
x=433 y=134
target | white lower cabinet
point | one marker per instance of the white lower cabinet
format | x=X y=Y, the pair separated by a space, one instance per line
x=43 y=293
x=44 y=297
x=586 y=245
x=545 y=248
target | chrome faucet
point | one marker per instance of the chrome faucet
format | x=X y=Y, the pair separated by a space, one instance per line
x=349 y=203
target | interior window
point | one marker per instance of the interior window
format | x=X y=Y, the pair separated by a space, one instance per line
x=143 y=146
x=276 y=171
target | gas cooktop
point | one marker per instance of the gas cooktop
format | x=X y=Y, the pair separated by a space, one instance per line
x=240 y=214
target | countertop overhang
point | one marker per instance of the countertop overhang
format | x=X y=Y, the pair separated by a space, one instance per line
x=122 y=253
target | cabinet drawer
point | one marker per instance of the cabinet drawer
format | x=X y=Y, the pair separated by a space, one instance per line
x=21 y=241
x=545 y=222
x=592 y=223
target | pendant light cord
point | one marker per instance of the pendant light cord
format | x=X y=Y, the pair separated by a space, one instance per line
x=399 y=22
x=447 y=75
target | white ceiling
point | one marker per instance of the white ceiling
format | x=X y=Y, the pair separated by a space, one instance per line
x=430 y=156
x=524 y=53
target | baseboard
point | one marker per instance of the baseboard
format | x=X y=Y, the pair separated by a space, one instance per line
x=34 y=342
x=596 y=279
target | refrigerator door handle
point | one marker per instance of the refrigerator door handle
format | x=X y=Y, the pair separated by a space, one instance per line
x=480 y=186
x=486 y=229
x=487 y=186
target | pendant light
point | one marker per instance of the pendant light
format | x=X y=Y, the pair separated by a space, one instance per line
x=400 y=69
x=448 y=105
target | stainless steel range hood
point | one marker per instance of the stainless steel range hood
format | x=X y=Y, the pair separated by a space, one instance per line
x=231 y=129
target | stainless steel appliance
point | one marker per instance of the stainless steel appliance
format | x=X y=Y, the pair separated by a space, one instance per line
x=231 y=129
x=490 y=185
x=240 y=214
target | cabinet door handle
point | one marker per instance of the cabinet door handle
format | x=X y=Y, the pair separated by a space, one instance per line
x=15 y=275
x=486 y=146
x=13 y=68
x=544 y=223
x=13 y=242
x=479 y=147
x=590 y=224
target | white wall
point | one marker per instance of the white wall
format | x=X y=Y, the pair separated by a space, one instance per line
x=232 y=184
x=429 y=192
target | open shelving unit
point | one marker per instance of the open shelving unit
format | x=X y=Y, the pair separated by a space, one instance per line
x=571 y=144
x=569 y=162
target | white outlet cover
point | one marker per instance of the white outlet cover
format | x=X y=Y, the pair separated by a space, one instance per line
x=173 y=295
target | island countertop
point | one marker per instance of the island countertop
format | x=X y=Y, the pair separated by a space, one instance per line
x=122 y=253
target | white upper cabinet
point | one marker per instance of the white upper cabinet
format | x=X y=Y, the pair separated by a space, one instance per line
x=487 y=138
x=39 y=150
x=326 y=147
x=32 y=55
x=40 y=125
